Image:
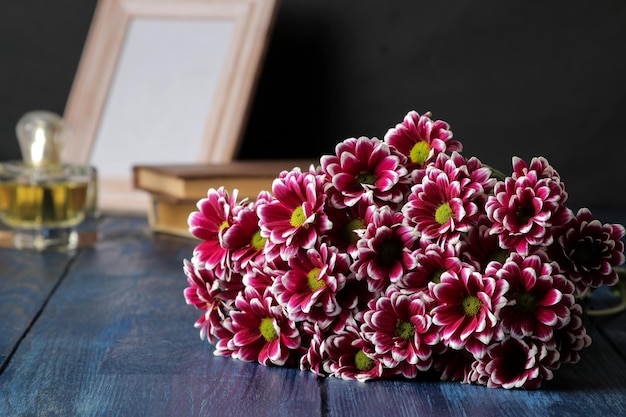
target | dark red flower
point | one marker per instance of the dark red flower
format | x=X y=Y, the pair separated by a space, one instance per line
x=468 y=304
x=261 y=330
x=351 y=356
x=525 y=207
x=384 y=250
x=295 y=217
x=539 y=299
x=365 y=169
x=442 y=205
x=421 y=139
x=517 y=363
x=588 y=251
x=215 y=215
x=400 y=328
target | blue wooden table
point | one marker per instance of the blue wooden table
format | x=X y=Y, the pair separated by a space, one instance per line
x=105 y=331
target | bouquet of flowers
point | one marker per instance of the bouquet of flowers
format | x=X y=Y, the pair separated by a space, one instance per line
x=397 y=257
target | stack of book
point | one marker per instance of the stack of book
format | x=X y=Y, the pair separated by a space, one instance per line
x=176 y=189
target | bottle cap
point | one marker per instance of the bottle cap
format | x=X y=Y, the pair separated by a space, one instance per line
x=41 y=135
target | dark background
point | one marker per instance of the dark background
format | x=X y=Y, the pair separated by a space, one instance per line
x=519 y=78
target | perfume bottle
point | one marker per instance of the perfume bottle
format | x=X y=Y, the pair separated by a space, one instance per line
x=44 y=202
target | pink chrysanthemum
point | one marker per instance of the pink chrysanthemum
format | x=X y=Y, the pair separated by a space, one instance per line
x=260 y=277
x=525 y=207
x=474 y=177
x=588 y=251
x=215 y=215
x=440 y=207
x=541 y=168
x=350 y=356
x=353 y=299
x=308 y=289
x=400 y=328
x=479 y=246
x=468 y=304
x=456 y=365
x=224 y=336
x=431 y=261
x=399 y=256
x=572 y=338
x=261 y=330
x=421 y=139
x=365 y=168
x=204 y=293
x=295 y=218
x=384 y=250
x=539 y=299
x=517 y=363
x=349 y=223
x=313 y=358
x=210 y=294
x=243 y=238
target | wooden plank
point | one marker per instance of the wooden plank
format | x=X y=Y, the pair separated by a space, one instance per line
x=26 y=281
x=117 y=339
x=614 y=329
x=594 y=387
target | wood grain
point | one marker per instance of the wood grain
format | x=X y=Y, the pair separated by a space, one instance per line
x=116 y=339
x=26 y=281
x=594 y=387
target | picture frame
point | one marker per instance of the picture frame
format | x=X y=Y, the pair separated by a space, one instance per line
x=163 y=81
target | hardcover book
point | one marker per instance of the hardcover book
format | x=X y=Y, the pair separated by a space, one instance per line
x=174 y=190
x=166 y=215
x=191 y=181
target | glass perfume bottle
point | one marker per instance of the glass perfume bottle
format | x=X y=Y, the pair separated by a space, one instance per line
x=44 y=202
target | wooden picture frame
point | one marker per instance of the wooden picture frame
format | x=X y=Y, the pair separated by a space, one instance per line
x=163 y=81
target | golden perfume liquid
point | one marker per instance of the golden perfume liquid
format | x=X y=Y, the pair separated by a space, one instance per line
x=46 y=204
x=48 y=207
x=54 y=204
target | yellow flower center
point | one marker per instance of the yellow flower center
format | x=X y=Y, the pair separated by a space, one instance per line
x=216 y=303
x=405 y=330
x=314 y=283
x=362 y=362
x=297 y=217
x=471 y=305
x=267 y=329
x=419 y=153
x=443 y=213
x=224 y=225
x=258 y=241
